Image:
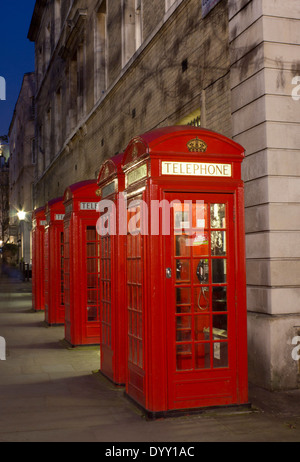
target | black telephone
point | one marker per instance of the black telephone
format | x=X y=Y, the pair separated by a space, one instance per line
x=202 y=275
x=202 y=271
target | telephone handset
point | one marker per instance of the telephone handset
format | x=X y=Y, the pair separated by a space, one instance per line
x=202 y=271
x=202 y=275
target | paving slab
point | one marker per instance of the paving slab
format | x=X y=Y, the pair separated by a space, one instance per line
x=51 y=393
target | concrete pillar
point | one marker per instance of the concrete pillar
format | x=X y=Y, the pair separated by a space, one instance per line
x=264 y=50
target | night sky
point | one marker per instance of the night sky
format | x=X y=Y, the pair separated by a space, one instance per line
x=17 y=53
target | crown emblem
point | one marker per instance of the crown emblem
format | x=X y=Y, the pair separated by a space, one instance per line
x=197 y=145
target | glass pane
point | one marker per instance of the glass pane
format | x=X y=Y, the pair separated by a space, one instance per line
x=220 y=326
x=201 y=327
x=199 y=244
x=181 y=218
x=92 y=297
x=182 y=248
x=202 y=356
x=218 y=271
x=183 y=295
x=183 y=328
x=92 y=265
x=200 y=215
x=220 y=354
x=182 y=270
x=218 y=243
x=201 y=271
x=183 y=309
x=217 y=216
x=92 y=313
x=184 y=359
x=219 y=299
x=201 y=299
x=91 y=233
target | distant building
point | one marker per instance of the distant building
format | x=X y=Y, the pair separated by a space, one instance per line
x=107 y=70
x=22 y=164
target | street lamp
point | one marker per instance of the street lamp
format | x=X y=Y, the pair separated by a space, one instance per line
x=21 y=215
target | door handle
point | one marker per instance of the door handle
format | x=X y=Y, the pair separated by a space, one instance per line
x=168 y=273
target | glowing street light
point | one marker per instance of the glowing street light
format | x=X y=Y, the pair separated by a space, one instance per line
x=21 y=215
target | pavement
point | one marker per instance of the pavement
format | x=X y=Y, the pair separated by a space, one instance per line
x=51 y=393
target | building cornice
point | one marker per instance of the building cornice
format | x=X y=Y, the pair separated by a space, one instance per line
x=36 y=19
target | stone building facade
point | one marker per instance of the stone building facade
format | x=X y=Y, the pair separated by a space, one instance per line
x=107 y=70
x=22 y=167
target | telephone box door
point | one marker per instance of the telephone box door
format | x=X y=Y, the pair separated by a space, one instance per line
x=200 y=298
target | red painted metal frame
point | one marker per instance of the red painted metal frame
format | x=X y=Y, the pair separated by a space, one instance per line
x=38 y=280
x=54 y=305
x=78 y=329
x=152 y=386
x=113 y=343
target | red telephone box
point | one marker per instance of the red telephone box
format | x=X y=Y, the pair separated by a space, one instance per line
x=81 y=265
x=38 y=282
x=186 y=289
x=54 y=262
x=112 y=258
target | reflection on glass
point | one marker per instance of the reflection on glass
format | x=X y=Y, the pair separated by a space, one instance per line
x=183 y=328
x=199 y=243
x=218 y=271
x=220 y=358
x=219 y=298
x=183 y=295
x=181 y=219
x=92 y=313
x=184 y=360
x=200 y=215
x=182 y=247
x=183 y=309
x=217 y=216
x=182 y=270
x=201 y=327
x=202 y=356
x=220 y=326
x=218 y=243
x=201 y=298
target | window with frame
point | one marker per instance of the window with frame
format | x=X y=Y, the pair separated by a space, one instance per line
x=132 y=28
x=100 y=44
x=135 y=287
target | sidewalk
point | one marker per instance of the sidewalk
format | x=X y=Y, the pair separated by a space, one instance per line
x=53 y=394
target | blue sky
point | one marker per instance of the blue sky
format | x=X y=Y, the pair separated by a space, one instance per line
x=16 y=52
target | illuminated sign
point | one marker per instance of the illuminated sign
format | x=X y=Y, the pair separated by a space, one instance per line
x=136 y=174
x=88 y=205
x=196 y=169
x=59 y=216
